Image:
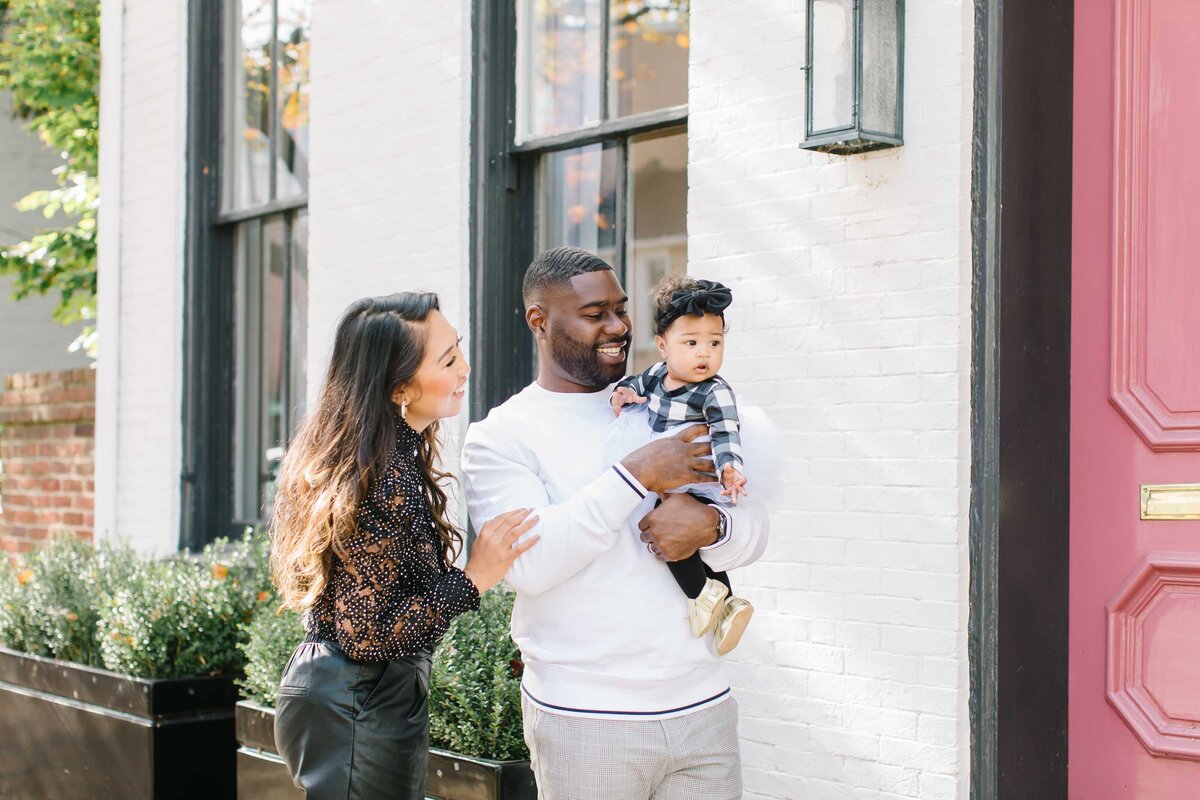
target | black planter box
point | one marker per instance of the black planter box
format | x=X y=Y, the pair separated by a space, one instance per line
x=262 y=775
x=457 y=777
x=71 y=732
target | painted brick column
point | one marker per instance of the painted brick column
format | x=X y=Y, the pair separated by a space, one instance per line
x=47 y=422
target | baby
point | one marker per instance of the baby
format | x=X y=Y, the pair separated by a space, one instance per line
x=683 y=389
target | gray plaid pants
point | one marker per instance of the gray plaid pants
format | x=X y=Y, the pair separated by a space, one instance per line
x=692 y=757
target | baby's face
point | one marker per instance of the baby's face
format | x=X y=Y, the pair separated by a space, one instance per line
x=693 y=347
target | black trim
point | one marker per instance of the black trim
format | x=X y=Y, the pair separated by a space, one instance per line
x=688 y=707
x=263 y=210
x=607 y=131
x=501 y=204
x=206 y=501
x=1020 y=398
x=627 y=480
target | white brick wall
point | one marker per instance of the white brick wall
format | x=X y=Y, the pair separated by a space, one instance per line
x=850 y=323
x=148 y=436
x=391 y=105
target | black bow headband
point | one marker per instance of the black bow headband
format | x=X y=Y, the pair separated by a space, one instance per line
x=708 y=297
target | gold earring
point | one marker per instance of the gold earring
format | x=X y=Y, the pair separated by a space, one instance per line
x=404 y=409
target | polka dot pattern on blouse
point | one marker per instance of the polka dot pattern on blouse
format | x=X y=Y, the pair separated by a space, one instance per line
x=394 y=595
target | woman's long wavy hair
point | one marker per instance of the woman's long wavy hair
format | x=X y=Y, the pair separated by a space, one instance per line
x=345 y=443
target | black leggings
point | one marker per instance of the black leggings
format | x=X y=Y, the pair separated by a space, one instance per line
x=692 y=572
x=349 y=729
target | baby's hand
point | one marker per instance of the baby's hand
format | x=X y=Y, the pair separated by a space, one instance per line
x=734 y=482
x=624 y=396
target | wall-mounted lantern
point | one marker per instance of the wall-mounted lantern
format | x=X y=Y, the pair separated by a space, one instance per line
x=854 y=78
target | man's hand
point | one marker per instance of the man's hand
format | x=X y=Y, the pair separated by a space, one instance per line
x=678 y=527
x=623 y=396
x=672 y=461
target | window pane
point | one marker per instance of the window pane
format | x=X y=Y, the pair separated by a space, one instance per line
x=299 y=333
x=657 y=231
x=274 y=311
x=247 y=371
x=558 y=65
x=647 y=55
x=261 y=364
x=579 y=198
x=247 y=176
x=292 y=169
x=881 y=84
x=832 y=64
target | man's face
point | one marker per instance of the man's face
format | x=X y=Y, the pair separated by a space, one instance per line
x=588 y=329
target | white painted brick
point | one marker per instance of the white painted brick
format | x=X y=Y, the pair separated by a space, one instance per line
x=868 y=262
x=850 y=322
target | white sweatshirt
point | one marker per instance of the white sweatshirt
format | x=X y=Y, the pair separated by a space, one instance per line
x=602 y=624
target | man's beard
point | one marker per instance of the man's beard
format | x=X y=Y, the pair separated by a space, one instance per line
x=582 y=362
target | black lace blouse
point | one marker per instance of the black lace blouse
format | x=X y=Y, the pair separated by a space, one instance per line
x=394 y=595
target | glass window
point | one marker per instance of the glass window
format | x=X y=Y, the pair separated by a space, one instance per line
x=264 y=185
x=647 y=55
x=248 y=115
x=657 y=242
x=579 y=199
x=269 y=375
x=559 y=87
x=832 y=64
x=266 y=102
x=582 y=62
x=292 y=100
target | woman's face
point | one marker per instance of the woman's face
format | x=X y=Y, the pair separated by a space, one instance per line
x=438 y=388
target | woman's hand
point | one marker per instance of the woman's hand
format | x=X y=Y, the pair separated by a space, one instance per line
x=496 y=547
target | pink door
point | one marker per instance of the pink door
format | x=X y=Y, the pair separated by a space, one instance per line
x=1134 y=695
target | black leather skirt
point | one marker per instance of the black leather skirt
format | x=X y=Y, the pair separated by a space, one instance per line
x=349 y=729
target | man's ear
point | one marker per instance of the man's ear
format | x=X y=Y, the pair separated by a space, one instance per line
x=536 y=319
x=662 y=346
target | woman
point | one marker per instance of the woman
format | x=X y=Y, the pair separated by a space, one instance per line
x=362 y=545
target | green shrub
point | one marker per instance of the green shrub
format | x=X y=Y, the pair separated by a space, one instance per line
x=175 y=618
x=271 y=638
x=50 y=600
x=109 y=607
x=475 y=691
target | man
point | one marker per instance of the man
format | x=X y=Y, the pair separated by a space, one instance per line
x=620 y=701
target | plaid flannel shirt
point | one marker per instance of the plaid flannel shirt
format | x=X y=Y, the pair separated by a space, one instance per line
x=709 y=401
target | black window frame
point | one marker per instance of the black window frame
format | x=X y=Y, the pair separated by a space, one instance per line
x=209 y=308
x=504 y=198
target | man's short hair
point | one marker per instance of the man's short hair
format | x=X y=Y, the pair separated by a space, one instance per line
x=556 y=267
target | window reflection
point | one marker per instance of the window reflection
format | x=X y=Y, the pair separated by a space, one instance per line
x=247 y=177
x=559 y=65
x=579 y=199
x=266 y=102
x=648 y=55
x=269 y=374
x=657 y=231
x=294 y=47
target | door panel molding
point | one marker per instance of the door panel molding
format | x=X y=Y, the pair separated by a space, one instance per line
x=1165 y=424
x=1147 y=700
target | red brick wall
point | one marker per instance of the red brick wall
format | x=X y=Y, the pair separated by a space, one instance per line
x=47 y=422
